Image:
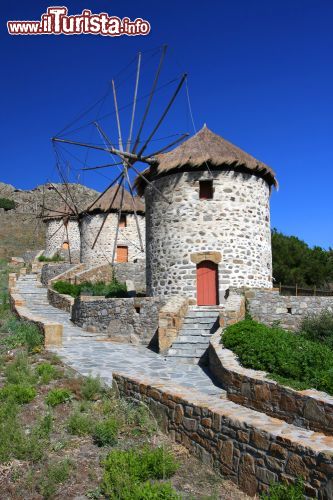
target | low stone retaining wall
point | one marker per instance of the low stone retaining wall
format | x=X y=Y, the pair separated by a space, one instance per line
x=133 y=320
x=233 y=308
x=132 y=271
x=51 y=331
x=170 y=321
x=310 y=409
x=59 y=300
x=94 y=274
x=250 y=448
x=69 y=274
x=268 y=306
x=52 y=270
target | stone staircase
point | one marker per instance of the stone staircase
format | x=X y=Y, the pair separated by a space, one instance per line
x=193 y=341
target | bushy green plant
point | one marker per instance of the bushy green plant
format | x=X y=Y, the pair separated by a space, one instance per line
x=19 y=371
x=55 y=474
x=7 y=204
x=57 y=396
x=125 y=470
x=112 y=289
x=92 y=388
x=55 y=258
x=80 y=424
x=153 y=491
x=289 y=358
x=17 y=393
x=66 y=288
x=14 y=442
x=105 y=432
x=21 y=333
x=44 y=427
x=318 y=327
x=284 y=491
x=46 y=372
x=116 y=289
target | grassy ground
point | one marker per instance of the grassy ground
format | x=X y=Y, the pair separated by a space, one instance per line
x=63 y=436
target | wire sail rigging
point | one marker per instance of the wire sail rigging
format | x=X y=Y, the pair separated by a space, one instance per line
x=126 y=154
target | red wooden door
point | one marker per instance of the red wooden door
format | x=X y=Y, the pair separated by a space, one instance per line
x=207 y=286
x=122 y=254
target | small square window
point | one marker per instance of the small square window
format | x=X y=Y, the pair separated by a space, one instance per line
x=289 y=310
x=123 y=221
x=206 y=190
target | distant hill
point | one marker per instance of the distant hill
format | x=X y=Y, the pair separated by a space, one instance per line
x=20 y=228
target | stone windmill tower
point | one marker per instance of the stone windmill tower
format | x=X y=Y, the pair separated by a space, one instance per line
x=111 y=228
x=62 y=233
x=215 y=231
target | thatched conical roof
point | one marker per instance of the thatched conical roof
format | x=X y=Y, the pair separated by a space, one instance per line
x=102 y=205
x=62 y=211
x=207 y=148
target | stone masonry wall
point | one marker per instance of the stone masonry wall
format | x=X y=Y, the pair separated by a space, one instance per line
x=170 y=321
x=248 y=447
x=94 y=274
x=56 y=236
x=134 y=271
x=51 y=270
x=235 y=223
x=309 y=409
x=59 y=300
x=133 y=320
x=103 y=250
x=269 y=306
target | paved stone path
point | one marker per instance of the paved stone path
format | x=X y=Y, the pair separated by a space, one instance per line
x=92 y=353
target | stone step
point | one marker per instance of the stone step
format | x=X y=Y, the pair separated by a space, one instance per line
x=192 y=339
x=199 y=321
x=195 y=314
x=194 y=353
x=198 y=331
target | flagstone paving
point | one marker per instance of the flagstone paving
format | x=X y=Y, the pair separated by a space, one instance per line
x=93 y=354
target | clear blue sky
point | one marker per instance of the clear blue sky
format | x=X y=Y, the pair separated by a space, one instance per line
x=260 y=74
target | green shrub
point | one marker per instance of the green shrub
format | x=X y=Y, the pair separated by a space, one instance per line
x=289 y=358
x=153 y=491
x=21 y=333
x=105 y=432
x=7 y=204
x=67 y=288
x=79 y=424
x=112 y=289
x=92 y=388
x=55 y=474
x=55 y=258
x=44 y=427
x=125 y=470
x=57 y=396
x=46 y=372
x=17 y=393
x=19 y=371
x=15 y=443
x=116 y=289
x=318 y=327
x=284 y=491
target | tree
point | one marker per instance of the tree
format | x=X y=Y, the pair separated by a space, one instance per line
x=295 y=262
x=7 y=204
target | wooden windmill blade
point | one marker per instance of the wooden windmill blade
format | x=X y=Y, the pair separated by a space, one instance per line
x=118 y=222
x=128 y=155
x=108 y=212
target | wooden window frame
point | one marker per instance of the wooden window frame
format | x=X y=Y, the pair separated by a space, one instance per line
x=206 y=190
x=123 y=221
